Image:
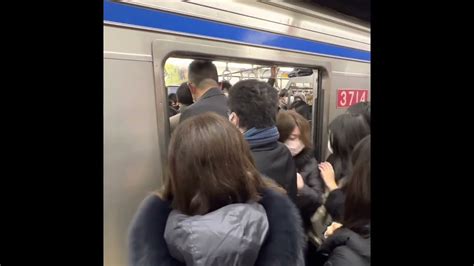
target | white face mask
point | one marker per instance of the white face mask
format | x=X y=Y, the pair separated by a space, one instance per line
x=329 y=147
x=295 y=146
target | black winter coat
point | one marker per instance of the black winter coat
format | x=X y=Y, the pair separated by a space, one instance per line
x=346 y=247
x=274 y=160
x=335 y=204
x=283 y=246
x=310 y=196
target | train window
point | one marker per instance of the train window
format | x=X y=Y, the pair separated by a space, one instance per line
x=176 y=72
x=231 y=71
x=301 y=83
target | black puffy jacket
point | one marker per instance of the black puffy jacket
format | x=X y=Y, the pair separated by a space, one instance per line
x=309 y=198
x=346 y=247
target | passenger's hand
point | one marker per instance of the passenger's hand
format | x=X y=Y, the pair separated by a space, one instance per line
x=330 y=230
x=274 y=72
x=299 y=181
x=327 y=173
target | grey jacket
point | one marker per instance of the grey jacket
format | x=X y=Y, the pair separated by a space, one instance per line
x=231 y=235
x=213 y=100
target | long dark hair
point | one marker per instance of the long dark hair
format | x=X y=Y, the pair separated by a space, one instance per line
x=362 y=108
x=211 y=167
x=357 y=204
x=346 y=130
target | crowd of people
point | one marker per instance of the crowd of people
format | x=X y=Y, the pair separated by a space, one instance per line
x=244 y=188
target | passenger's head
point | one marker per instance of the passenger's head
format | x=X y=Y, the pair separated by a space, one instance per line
x=202 y=75
x=225 y=85
x=357 y=204
x=283 y=99
x=211 y=168
x=253 y=103
x=362 y=108
x=301 y=108
x=172 y=99
x=184 y=95
x=300 y=97
x=283 y=93
x=294 y=131
x=345 y=131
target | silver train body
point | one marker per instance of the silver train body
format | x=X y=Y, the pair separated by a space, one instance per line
x=140 y=35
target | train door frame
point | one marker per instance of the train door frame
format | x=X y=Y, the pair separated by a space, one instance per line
x=181 y=46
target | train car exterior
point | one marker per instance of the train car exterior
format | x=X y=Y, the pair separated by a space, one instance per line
x=140 y=35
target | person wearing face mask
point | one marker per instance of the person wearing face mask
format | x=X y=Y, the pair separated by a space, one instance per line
x=295 y=134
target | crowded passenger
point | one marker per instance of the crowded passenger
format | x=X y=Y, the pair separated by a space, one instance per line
x=299 y=97
x=225 y=86
x=295 y=134
x=348 y=243
x=253 y=109
x=184 y=99
x=207 y=96
x=283 y=99
x=215 y=207
x=362 y=108
x=345 y=131
x=301 y=107
x=172 y=104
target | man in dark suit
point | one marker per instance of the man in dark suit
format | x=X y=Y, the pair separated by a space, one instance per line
x=203 y=83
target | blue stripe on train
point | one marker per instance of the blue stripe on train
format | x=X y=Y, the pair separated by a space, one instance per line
x=133 y=15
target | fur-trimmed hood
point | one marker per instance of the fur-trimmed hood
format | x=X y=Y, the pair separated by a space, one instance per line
x=284 y=244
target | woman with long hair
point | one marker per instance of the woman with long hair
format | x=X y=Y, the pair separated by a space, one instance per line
x=215 y=208
x=348 y=243
x=295 y=133
x=345 y=131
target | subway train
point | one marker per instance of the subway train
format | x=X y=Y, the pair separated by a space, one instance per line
x=141 y=35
